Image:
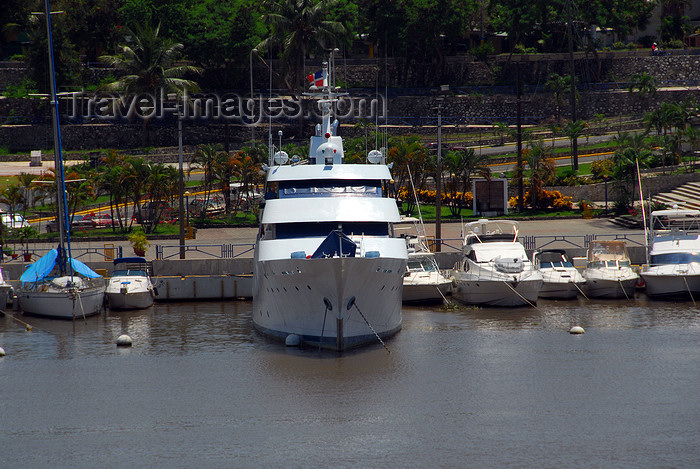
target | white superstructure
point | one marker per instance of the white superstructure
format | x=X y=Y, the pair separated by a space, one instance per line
x=328 y=269
x=673 y=269
x=494 y=269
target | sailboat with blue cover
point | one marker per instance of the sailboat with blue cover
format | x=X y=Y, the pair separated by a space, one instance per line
x=56 y=285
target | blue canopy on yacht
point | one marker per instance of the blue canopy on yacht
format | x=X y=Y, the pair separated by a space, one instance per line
x=43 y=267
x=335 y=241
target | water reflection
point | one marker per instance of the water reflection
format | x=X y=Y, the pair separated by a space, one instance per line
x=220 y=327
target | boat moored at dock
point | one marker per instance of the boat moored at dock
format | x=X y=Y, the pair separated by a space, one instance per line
x=494 y=269
x=328 y=269
x=673 y=270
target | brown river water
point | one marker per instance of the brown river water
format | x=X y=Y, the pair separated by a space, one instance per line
x=461 y=388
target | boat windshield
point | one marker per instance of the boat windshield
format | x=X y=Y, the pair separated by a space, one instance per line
x=329 y=188
x=596 y=264
x=129 y=273
x=545 y=265
x=675 y=258
x=321 y=229
x=420 y=265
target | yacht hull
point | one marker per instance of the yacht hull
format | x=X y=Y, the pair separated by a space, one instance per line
x=62 y=304
x=312 y=298
x=496 y=291
x=425 y=287
x=129 y=293
x=671 y=283
x=611 y=288
x=560 y=290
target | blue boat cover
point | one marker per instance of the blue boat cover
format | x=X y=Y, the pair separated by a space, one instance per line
x=335 y=241
x=43 y=267
x=134 y=260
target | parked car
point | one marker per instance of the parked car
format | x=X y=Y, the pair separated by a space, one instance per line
x=13 y=221
x=77 y=221
x=103 y=220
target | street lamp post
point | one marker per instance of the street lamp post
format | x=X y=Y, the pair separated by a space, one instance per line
x=187 y=203
x=438 y=181
x=181 y=211
x=252 y=99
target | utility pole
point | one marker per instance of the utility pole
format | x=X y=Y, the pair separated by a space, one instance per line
x=519 y=118
x=181 y=191
x=570 y=28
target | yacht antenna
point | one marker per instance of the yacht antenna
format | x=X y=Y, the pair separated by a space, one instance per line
x=270 y=150
x=644 y=217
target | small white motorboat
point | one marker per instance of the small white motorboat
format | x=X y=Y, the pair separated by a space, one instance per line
x=423 y=282
x=130 y=286
x=609 y=272
x=6 y=291
x=561 y=279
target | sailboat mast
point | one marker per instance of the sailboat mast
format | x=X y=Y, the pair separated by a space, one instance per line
x=64 y=234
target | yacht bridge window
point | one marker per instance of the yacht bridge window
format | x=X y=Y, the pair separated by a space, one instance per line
x=304 y=230
x=330 y=188
x=675 y=258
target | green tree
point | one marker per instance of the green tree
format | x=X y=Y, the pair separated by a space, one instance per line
x=542 y=169
x=573 y=130
x=462 y=164
x=149 y=67
x=297 y=28
x=206 y=158
x=559 y=86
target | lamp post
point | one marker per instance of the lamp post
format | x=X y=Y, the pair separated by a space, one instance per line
x=252 y=100
x=605 y=180
x=181 y=208
x=438 y=180
x=187 y=203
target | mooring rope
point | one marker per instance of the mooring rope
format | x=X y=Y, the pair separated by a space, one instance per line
x=581 y=291
x=27 y=326
x=623 y=290
x=329 y=307
x=689 y=292
x=521 y=296
x=352 y=303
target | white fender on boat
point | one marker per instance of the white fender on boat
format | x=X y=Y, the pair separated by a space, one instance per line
x=124 y=341
x=2 y=352
x=576 y=330
x=292 y=340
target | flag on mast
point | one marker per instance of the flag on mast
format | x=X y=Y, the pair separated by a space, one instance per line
x=318 y=78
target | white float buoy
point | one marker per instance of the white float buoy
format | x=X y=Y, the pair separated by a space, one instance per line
x=292 y=340
x=576 y=330
x=124 y=341
x=2 y=352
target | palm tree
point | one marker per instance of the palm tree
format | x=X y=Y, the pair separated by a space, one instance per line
x=463 y=163
x=555 y=129
x=407 y=152
x=149 y=68
x=573 y=130
x=542 y=168
x=643 y=85
x=500 y=129
x=558 y=86
x=25 y=180
x=206 y=158
x=299 y=27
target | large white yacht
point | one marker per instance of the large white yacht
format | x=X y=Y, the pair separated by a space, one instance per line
x=328 y=269
x=673 y=269
x=494 y=269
